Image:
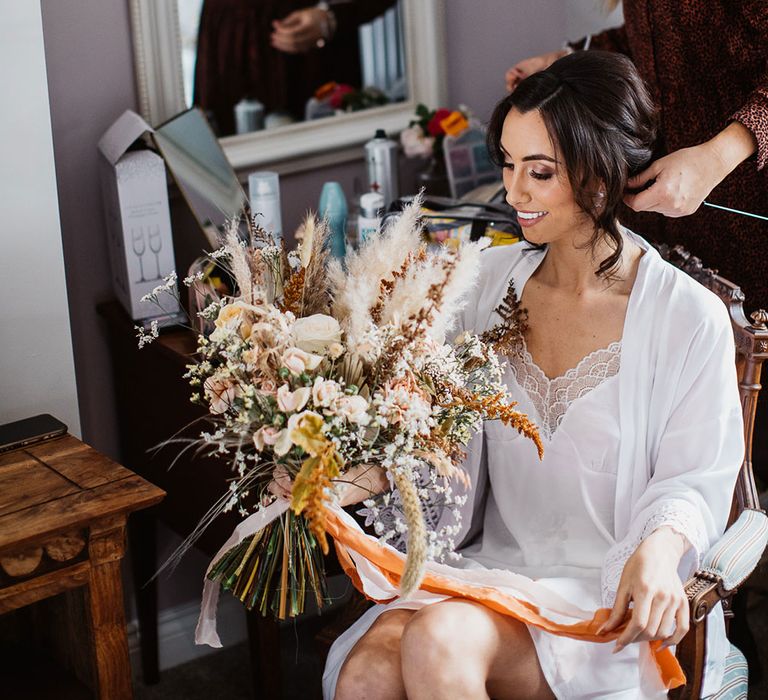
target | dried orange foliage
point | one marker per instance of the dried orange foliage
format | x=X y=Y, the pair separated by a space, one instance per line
x=293 y=292
x=494 y=408
x=314 y=506
x=386 y=286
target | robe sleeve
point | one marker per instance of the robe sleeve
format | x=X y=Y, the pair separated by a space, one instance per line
x=698 y=455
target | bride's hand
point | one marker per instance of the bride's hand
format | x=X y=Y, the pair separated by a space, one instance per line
x=361 y=482
x=281 y=484
x=650 y=582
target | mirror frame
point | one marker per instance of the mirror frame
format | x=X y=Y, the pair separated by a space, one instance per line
x=159 y=82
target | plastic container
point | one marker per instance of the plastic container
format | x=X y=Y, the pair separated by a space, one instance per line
x=249 y=116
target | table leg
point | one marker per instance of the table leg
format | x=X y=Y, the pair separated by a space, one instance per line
x=142 y=543
x=107 y=615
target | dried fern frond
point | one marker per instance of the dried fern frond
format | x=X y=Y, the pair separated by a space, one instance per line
x=506 y=337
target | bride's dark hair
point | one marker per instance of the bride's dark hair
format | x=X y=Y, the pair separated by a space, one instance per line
x=602 y=120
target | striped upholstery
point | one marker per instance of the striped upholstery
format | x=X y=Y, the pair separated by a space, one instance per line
x=734 y=679
x=736 y=554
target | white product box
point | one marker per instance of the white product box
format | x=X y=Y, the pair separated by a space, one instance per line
x=138 y=219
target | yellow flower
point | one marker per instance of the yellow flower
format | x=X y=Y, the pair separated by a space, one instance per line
x=307 y=432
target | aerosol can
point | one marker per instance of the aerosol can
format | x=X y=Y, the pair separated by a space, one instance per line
x=381 y=158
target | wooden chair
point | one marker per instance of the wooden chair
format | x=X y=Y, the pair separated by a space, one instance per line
x=733 y=558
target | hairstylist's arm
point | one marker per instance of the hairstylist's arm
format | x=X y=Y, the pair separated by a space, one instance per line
x=682 y=180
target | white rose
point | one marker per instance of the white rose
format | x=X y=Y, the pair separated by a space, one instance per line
x=291 y=401
x=354 y=409
x=416 y=143
x=220 y=393
x=266 y=435
x=297 y=361
x=325 y=392
x=316 y=333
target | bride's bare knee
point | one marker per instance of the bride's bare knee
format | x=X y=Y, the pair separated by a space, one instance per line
x=372 y=669
x=370 y=674
x=432 y=648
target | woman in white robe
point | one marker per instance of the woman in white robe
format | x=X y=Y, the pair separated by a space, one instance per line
x=641 y=425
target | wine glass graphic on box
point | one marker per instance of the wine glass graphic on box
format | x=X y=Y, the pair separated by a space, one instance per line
x=156 y=245
x=139 y=246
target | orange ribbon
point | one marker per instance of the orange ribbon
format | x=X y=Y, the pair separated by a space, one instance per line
x=391 y=566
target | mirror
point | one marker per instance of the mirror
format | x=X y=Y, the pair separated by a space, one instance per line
x=201 y=171
x=410 y=68
x=259 y=65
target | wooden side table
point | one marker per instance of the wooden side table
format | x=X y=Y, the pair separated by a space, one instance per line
x=63 y=513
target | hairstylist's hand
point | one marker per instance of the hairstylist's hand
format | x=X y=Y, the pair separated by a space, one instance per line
x=682 y=180
x=650 y=582
x=300 y=31
x=520 y=71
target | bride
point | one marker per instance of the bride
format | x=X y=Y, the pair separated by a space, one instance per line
x=627 y=366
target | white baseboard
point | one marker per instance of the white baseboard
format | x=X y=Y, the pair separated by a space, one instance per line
x=176 y=632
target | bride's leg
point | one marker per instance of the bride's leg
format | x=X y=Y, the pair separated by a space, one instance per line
x=372 y=669
x=459 y=649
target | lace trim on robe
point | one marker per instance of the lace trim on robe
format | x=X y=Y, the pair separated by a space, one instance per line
x=669 y=514
x=552 y=397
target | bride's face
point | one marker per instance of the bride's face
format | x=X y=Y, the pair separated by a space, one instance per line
x=536 y=181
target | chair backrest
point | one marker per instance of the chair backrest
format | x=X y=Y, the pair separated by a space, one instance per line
x=751 y=350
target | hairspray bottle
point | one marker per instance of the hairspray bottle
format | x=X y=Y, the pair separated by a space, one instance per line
x=381 y=159
x=264 y=195
x=333 y=208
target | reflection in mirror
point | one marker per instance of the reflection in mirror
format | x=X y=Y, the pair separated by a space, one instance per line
x=252 y=65
x=201 y=171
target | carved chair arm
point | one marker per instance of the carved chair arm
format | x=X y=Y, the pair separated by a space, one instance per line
x=723 y=569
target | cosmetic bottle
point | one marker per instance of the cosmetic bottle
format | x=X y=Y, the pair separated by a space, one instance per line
x=381 y=159
x=264 y=197
x=369 y=219
x=333 y=208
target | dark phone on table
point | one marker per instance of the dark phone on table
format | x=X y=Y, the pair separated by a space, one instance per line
x=29 y=431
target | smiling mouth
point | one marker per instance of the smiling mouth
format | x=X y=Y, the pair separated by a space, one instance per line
x=528 y=218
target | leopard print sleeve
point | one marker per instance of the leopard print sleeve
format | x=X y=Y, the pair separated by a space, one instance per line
x=754 y=113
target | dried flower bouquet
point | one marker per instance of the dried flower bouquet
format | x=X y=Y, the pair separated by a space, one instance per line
x=320 y=371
